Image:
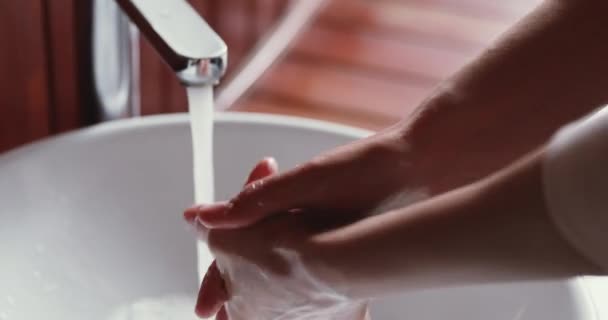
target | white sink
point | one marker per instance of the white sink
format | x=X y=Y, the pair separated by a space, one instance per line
x=91 y=221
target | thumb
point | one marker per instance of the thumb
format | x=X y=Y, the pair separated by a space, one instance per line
x=212 y=293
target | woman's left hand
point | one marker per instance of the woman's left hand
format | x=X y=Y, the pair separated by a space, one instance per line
x=271 y=270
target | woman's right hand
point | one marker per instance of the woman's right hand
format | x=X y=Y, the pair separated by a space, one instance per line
x=345 y=184
x=275 y=254
x=356 y=180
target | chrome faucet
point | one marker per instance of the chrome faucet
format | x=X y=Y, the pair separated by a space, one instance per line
x=179 y=34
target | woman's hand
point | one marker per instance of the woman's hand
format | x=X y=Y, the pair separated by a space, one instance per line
x=480 y=120
x=497 y=229
x=271 y=270
x=353 y=180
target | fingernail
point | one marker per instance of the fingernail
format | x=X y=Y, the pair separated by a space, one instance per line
x=272 y=164
x=200 y=313
x=191 y=213
x=202 y=211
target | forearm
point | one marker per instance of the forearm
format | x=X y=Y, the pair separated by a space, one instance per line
x=548 y=70
x=495 y=230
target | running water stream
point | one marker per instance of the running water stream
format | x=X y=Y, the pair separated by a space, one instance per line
x=200 y=104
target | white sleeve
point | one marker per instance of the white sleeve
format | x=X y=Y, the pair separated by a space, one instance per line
x=576 y=184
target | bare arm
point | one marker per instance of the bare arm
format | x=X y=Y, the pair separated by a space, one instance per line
x=550 y=69
x=497 y=229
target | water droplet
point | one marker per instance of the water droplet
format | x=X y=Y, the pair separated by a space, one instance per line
x=37 y=274
x=260 y=204
x=3 y=315
x=10 y=300
x=257 y=184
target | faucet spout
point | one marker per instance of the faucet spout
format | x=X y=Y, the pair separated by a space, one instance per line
x=182 y=37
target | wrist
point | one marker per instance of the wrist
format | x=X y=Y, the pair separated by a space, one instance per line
x=517 y=192
x=457 y=137
x=443 y=139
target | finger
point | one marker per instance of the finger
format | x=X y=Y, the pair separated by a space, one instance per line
x=222 y=314
x=256 y=244
x=190 y=214
x=266 y=167
x=212 y=293
x=268 y=196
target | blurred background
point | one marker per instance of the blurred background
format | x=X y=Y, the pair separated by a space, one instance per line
x=366 y=63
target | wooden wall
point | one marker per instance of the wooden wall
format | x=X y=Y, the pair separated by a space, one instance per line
x=370 y=63
x=45 y=62
x=24 y=74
